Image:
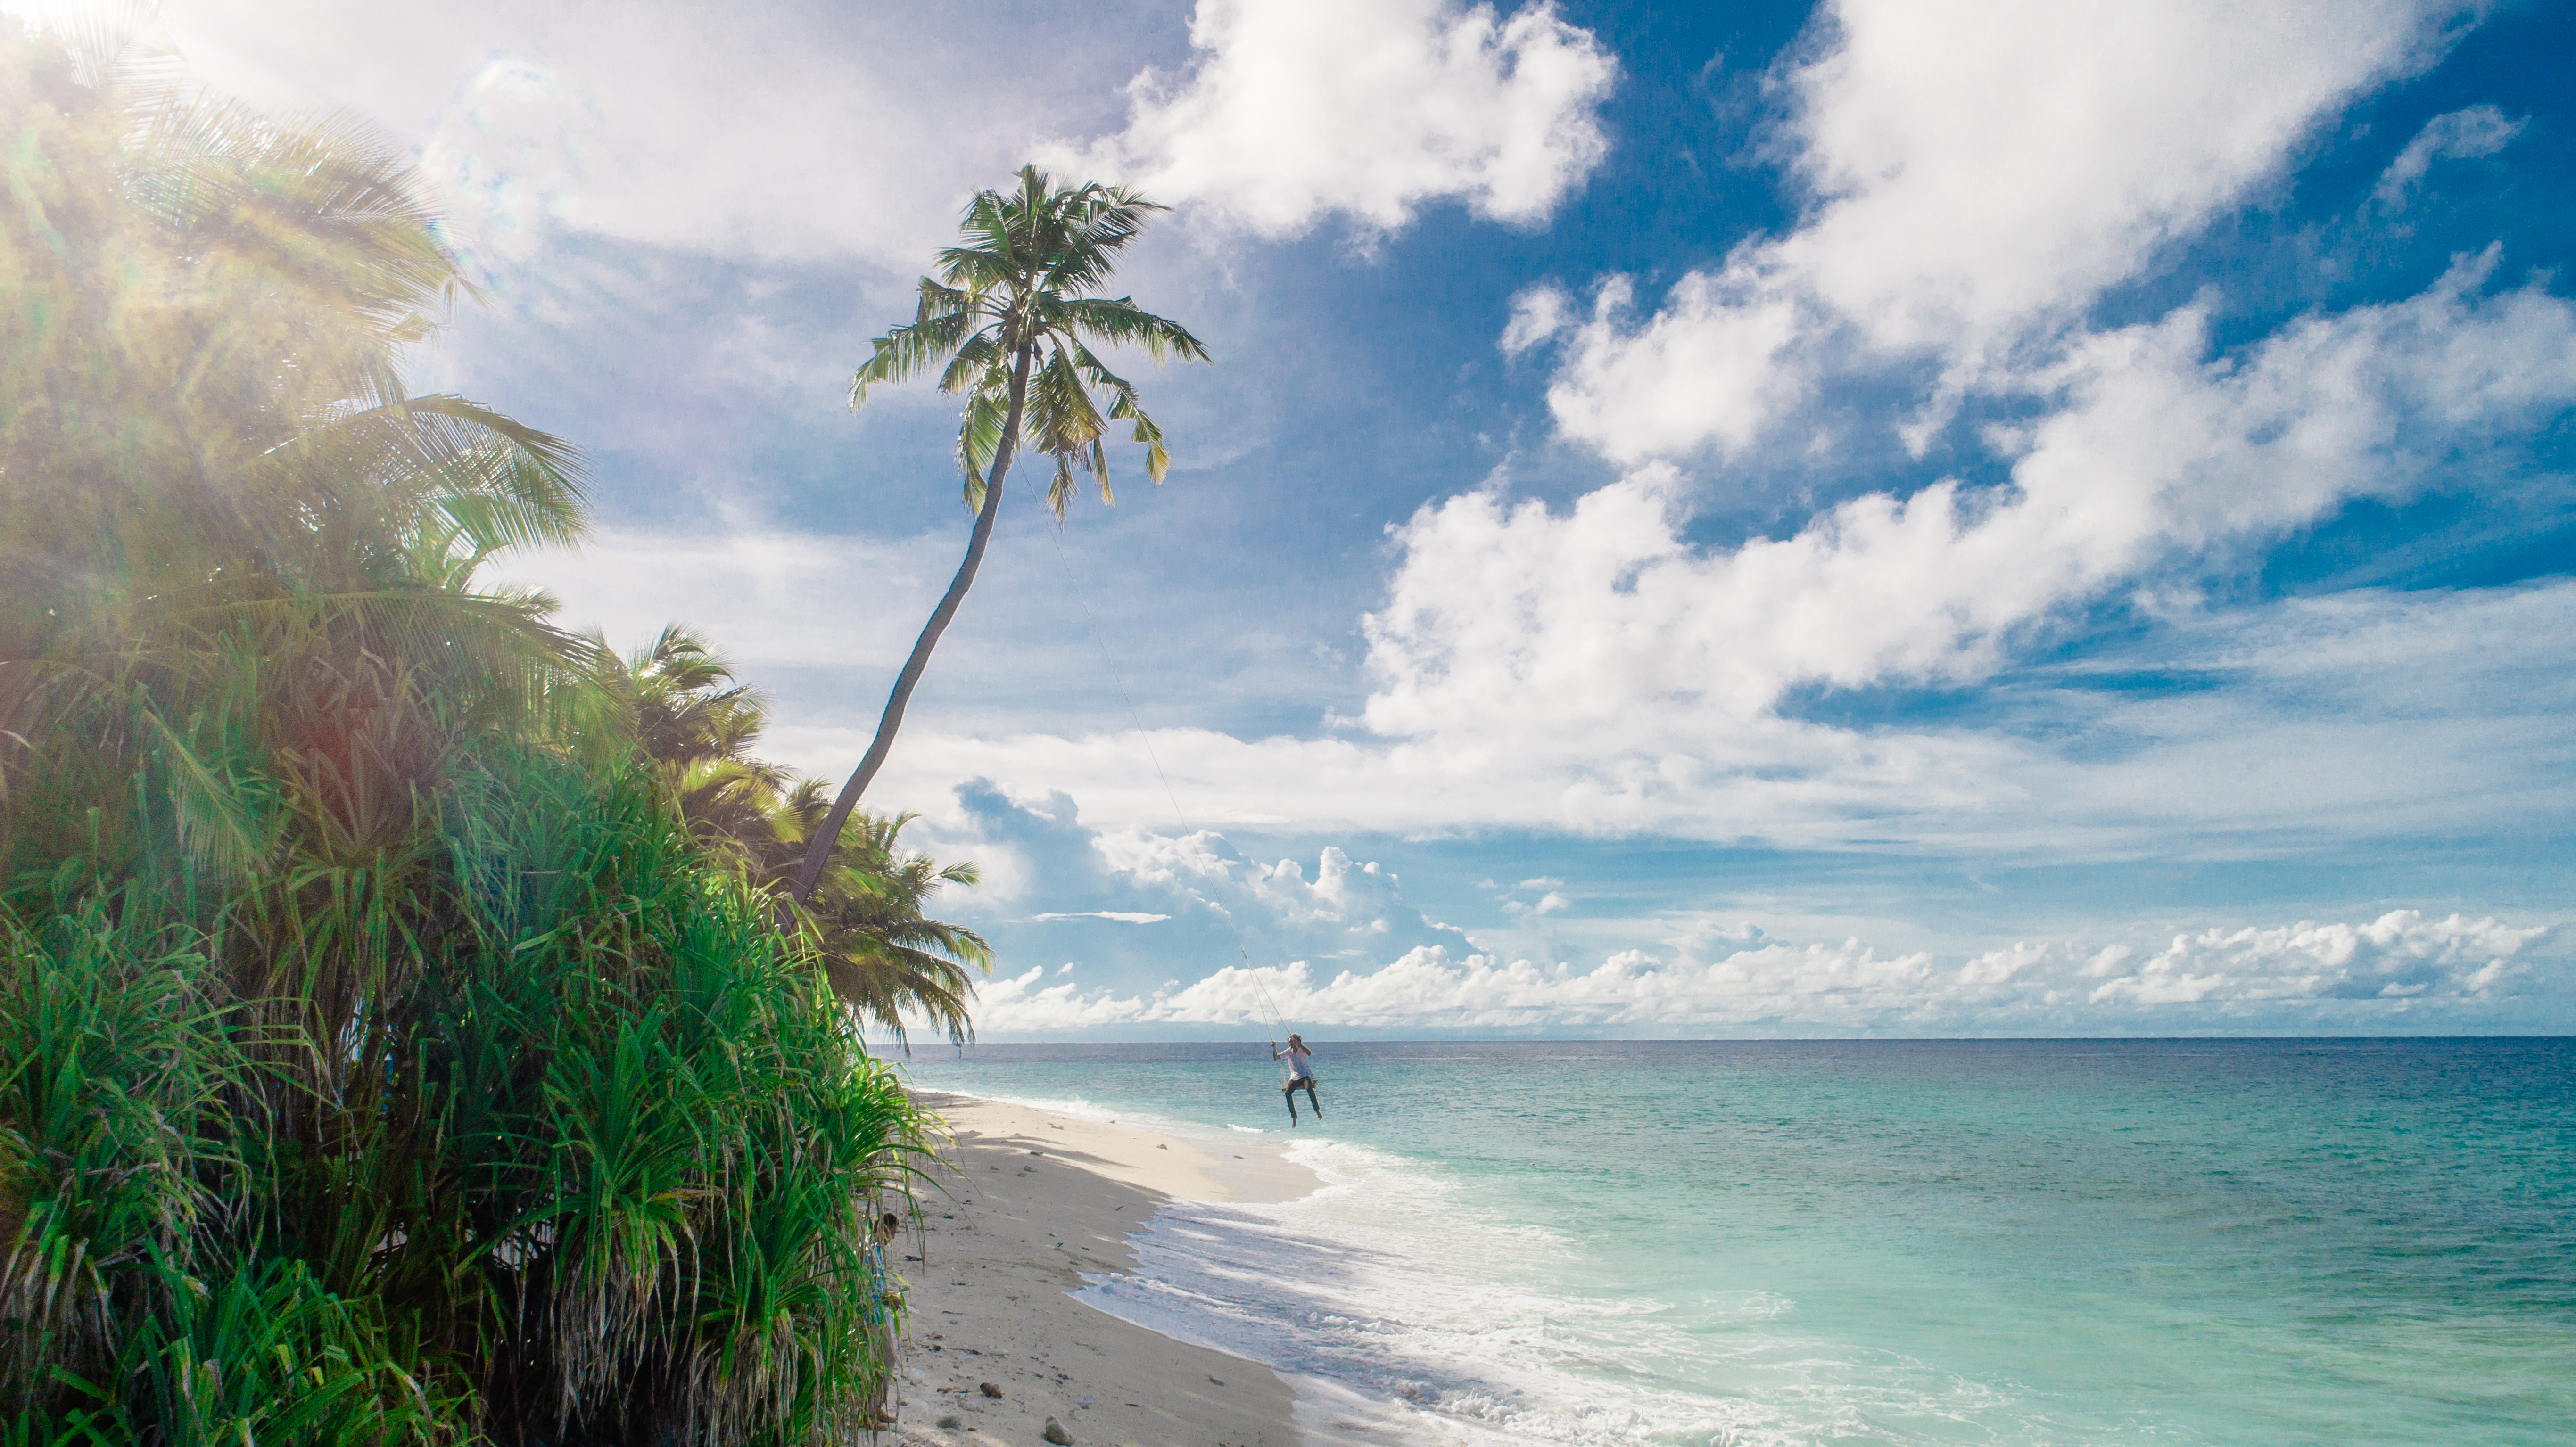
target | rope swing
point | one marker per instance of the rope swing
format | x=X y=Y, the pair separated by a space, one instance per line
x=1278 y=1023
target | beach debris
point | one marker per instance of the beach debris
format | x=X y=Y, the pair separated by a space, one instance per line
x=1220 y=1381
x=1162 y=1148
x=952 y=1420
x=1055 y=1433
x=988 y=1389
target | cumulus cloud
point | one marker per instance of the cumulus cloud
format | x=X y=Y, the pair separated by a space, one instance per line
x=2320 y=722
x=1600 y=633
x=1976 y=171
x=2459 y=136
x=1293 y=110
x=2399 y=956
x=2399 y=967
x=1236 y=942
x=1177 y=902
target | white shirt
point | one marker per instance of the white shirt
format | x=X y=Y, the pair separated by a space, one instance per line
x=1297 y=1057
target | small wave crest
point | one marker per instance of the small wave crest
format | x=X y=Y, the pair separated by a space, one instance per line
x=1406 y=1314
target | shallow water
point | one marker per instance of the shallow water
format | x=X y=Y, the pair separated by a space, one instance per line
x=2239 y=1242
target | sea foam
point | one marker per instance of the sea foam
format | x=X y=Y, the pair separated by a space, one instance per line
x=1403 y=1314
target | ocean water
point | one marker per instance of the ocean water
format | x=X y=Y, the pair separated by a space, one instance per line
x=2225 y=1242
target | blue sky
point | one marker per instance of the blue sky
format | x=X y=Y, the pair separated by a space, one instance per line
x=1905 y=517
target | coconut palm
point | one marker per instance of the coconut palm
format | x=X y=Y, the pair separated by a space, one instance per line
x=220 y=507
x=1010 y=325
x=885 y=958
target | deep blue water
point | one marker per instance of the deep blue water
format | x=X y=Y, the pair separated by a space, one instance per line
x=2242 y=1242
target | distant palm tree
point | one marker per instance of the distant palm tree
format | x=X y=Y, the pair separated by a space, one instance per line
x=1011 y=329
x=883 y=956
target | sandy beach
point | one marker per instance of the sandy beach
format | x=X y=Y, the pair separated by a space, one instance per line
x=1027 y=1204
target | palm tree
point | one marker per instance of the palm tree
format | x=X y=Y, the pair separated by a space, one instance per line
x=1011 y=328
x=884 y=957
x=220 y=506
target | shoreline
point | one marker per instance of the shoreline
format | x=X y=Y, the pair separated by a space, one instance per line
x=1025 y=1205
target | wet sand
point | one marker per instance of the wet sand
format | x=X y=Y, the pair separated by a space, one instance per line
x=1026 y=1205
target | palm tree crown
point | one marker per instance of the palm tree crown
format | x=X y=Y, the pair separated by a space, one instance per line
x=1010 y=323
x=1013 y=303
x=884 y=957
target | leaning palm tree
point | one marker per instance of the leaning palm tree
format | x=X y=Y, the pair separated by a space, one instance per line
x=1011 y=326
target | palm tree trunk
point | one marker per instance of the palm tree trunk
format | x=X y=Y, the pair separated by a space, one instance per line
x=829 y=833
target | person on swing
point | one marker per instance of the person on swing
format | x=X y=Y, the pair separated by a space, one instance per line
x=1301 y=1075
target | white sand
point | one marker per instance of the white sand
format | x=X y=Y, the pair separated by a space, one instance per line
x=1032 y=1202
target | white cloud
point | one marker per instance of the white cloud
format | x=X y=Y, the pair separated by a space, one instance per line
x=2324 y=723
x=2398 y=967
x=2459 y=135
x=795 y=131
x=1978 y=170
x=762 y=596
x=1358 y=955
x=1713 y=366
x=2399 y=956
x=1515 y=631
x=1208 y=904
x=1297 y=109
x=1538 y=313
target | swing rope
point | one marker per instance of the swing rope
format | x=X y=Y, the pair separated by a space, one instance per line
x=1109 y=665
x=1100 y=646
x=1274 y=1014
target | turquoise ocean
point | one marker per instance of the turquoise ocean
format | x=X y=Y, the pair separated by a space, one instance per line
x=2237 y=1242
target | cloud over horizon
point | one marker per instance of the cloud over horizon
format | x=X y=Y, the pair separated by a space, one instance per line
x=2398 y=973
x=1158 y=932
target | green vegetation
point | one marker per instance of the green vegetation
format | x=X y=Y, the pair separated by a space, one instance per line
x=883 y=956
x=398 y=1037
x=1010 y=327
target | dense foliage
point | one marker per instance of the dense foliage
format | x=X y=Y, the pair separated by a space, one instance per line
x=886 y=959
x=384 y=1053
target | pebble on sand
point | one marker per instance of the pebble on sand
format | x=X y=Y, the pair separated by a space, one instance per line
x=952 y=1420
x=1055 y=1433
x=988 y=1389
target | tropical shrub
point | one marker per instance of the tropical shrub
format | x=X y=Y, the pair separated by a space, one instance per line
x=383 y=1056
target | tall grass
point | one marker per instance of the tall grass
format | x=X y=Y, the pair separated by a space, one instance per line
x=382 y=1057
x=597 y=1162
